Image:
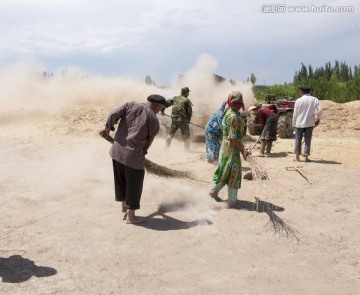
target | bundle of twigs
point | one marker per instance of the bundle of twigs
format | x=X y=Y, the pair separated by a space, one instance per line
x=163 y=171
x=154 y=168
x=259 y=173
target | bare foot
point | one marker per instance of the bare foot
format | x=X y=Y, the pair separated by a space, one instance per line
x=123 y=207
x=214 y=194
x=136 y=220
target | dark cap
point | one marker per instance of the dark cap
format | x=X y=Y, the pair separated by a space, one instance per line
x=185 y=89
x=157 y=99
x=305 y=88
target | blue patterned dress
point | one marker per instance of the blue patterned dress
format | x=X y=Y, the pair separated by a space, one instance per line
x=213 y=134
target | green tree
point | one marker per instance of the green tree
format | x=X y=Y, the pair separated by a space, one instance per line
x=328 y=70
x=311 y=72
x=252 y=79
x=335 y=88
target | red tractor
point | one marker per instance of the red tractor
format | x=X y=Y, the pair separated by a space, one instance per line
x=284 y=117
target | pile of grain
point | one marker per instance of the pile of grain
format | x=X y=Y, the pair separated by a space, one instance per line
x=340 y=118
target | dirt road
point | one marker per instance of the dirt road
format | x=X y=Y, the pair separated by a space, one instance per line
x=63 y=233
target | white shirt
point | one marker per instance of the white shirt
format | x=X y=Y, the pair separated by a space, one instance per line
x=304 y=111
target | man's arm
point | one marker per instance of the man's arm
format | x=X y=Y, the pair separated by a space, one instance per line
x=274 y=109
x=319 y=112
x=295 y=114
x=153 y=130
x=261 y=117
x=114 y=117
x=189 y=110
x=169 y=103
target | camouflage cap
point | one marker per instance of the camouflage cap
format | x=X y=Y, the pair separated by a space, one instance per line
x=185 y=89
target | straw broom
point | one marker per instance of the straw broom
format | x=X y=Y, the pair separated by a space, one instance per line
x=258 y=172
x=154 y=168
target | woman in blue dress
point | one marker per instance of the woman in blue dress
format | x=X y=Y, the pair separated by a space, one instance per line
x=213 y=135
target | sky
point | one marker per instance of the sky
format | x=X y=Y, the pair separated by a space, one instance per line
x=164 y=38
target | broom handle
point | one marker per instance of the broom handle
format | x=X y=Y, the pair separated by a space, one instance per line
x=250 y=151
x=109 y=138
x=186 y=122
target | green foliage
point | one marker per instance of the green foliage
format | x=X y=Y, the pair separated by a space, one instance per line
x=251 y=79
x=338 y=83
x=280 y=91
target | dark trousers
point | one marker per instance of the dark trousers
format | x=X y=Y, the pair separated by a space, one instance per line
x=270 y=129
x=307 y=132
x=128 y=185
x=185 y=132
x=266 y=145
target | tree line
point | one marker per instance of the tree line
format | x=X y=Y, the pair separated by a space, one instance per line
x=339 y=83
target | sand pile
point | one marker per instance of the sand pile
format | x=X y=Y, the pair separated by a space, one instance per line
x=340 y=118
x=79 y=119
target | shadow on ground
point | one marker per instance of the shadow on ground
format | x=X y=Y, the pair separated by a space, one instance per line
x=160 y=221
x=279 y=155
x=16 y=269
x=320 y=161
x=278 y=225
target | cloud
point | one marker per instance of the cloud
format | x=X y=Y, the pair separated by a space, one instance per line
x=53 y=39
x=160 y=38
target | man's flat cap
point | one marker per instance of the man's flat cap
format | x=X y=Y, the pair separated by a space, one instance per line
x=157 y=99
x=305 y=88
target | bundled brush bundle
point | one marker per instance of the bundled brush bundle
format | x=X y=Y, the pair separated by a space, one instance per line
x=154 y=168
x=258 y=172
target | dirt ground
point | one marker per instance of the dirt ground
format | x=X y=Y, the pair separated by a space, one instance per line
x=63 y=233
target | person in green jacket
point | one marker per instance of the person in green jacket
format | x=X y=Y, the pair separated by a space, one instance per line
x=181 y=116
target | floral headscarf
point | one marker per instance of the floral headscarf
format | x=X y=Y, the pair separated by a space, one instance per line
x=235 y=100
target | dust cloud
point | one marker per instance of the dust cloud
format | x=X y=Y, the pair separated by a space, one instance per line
x=23 y=86
x=50 y=148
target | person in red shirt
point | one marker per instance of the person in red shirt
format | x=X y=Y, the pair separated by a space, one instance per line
x=266 y=115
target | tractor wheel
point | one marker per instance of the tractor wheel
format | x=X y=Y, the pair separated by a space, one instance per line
x=245 y=121
x=284 y=125
x=251 y=126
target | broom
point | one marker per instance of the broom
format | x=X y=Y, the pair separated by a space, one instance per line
x=258 y=172
x=152 y=167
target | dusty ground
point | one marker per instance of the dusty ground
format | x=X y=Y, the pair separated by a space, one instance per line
x=63 y=233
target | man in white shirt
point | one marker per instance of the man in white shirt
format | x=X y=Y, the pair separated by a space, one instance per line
x=304 y=120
